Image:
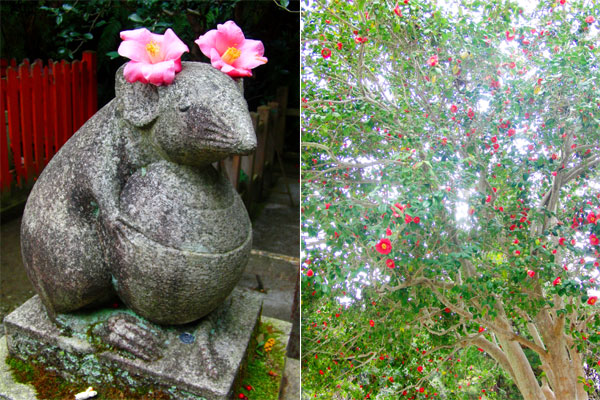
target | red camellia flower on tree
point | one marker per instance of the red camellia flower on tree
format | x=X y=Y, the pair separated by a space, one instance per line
x=397 y=10
x=561 y=241
x=592 y=300
x=384 y=246
x=509 y=37
x=420 y=368
x=390 y=263
x=326 y=53
x=372 y=323
x=530 y=273
x=557 y=281
x=310 y=273
x=470 y=113
x=416 y=220
x=594 y=241
x=433 y=60
x=453 y=108
x=592 y=218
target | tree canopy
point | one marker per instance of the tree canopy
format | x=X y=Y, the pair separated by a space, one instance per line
x=450 y=199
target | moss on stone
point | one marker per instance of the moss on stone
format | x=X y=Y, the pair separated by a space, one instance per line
x=50 y=385
x=262 y=377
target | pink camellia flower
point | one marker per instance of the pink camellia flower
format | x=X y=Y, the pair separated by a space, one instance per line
x=433 y=60
x=230 y=52
x=530 y=273
x=589 y=19
x=154 y=58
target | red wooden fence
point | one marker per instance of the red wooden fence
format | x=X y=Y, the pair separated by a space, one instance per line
x=42 y=106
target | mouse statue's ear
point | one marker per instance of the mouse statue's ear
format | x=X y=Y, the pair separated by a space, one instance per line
x=138 y=102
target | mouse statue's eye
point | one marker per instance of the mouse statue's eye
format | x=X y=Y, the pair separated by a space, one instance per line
x=184 y=108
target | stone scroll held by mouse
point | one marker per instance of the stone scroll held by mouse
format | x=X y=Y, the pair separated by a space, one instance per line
x=131 y=206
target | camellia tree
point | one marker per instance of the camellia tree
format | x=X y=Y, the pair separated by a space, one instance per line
x=451 y=198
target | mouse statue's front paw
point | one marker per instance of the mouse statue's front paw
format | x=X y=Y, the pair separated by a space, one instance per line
x=125 y=332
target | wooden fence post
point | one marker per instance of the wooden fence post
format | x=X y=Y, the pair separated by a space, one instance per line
x=42 y=108
x=89 y=60
x=26 y=119
x=5 y=177
x=37 y=95
x=14 y=121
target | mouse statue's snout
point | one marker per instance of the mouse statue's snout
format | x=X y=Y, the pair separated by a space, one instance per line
x=202 y=121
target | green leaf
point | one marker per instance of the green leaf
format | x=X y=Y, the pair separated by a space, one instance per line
x=112 y=55
x=135 y=18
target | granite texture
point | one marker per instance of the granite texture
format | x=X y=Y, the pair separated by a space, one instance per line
x=202 y=360
x=131 y=206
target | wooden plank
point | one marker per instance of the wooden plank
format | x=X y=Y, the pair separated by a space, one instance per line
x=89 y=57
x=282 y=99
x=259 y=155
x=14 y=121
x=247 y=165
x=84 y=95
x=26 y=119
x=274 y=131
x=75 y=96
x=58 y=101
x=65 y=108
x=5 y=176
x=49 y=115
x=37 y=95
x=236 y=162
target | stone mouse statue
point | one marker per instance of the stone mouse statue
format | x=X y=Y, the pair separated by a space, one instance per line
x=131 y=205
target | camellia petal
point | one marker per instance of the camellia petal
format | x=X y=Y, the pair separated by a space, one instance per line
x=135 y=51
x=230 y=52
x=228 y=34
x=154 y=58
x=173 y=46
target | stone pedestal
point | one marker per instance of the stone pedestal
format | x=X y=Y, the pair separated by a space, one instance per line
x=201 y=360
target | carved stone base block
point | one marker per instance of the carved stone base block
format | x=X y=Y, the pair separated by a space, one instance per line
x=113 y=346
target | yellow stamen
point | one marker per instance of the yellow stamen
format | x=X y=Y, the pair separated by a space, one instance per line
x=153 y=48
x=231 y=55
x=383 y=246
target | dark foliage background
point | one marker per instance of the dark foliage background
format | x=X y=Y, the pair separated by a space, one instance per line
x=64 y=29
